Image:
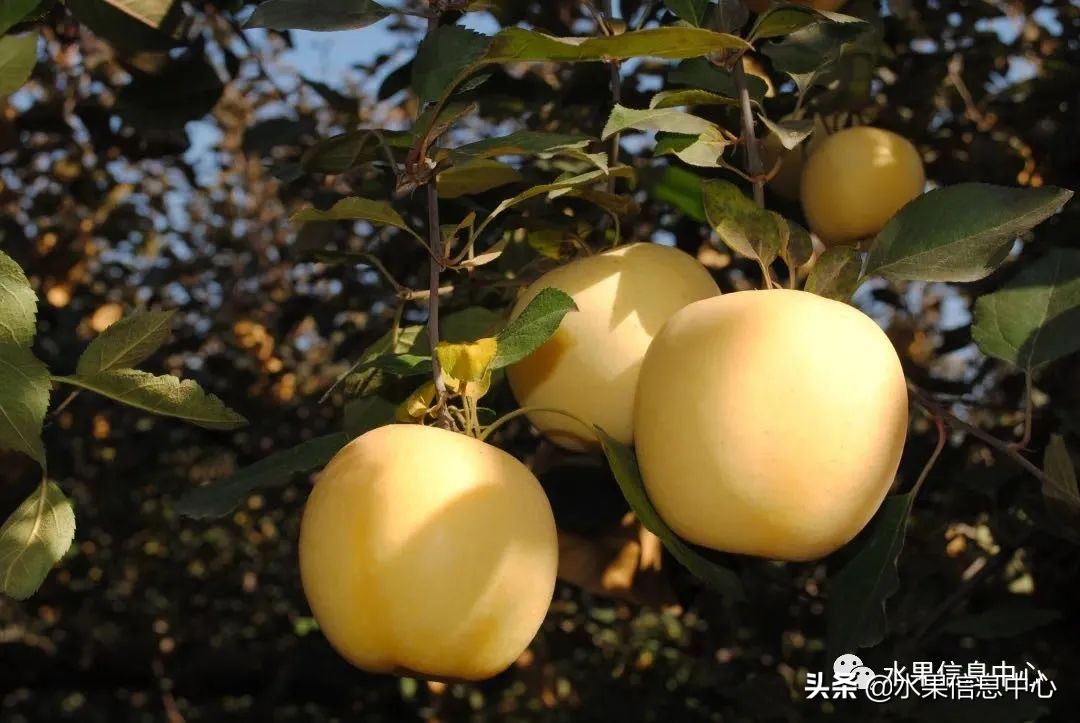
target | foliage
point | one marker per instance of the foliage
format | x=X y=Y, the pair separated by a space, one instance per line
x=172 y=197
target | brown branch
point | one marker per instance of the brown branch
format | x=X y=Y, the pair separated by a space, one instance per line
x=436 y=263
x=750 y=144
x=616 y=96
x=935 y=410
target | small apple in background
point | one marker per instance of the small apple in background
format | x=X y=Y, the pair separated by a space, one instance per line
x=590 y=366
x=770 y=423
x=856 y=180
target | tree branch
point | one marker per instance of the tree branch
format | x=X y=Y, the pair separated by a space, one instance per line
x=936 y=410
x=435 y=267
x=750 y=144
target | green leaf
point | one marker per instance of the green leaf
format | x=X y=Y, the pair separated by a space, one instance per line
x=12 y=11
x=739 y=222
x=18 y=304
x=689 y=98
x=33 y=539
x=357 y=209
x=18 y=56
x=365 y=414
x=614 y=203
x=790 y=132
x=692 y=11
x=528 y=331
x=473 y=322
x=781 y=20
x=335 y=99
x=796 y=247
x=519 y=45
x=476 y=176
x=443 y=57
x=704 y=151
x=318 y=15
x=812 y=47
x=165 y=395
x=1011 y=618
x=699 y=73
x=24 y=399
x=836 y=273
x=153 y=13
x=400 y=365
x=654 y=119
x=682 y=189
x=519 y=143
x=339 y=153
x=132 y=25
x=857 y=592
x=1060 y=493
x=624 y=467
x=959 y=233
x=126 y=343
x=184 y=89
x=218 y=499
x=561 y=184
x=1035 y=318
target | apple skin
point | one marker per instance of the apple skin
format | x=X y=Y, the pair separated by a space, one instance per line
x=760 y=6
x=856 y=180
x=428 y=553
x=590 y=365
x=770 y=423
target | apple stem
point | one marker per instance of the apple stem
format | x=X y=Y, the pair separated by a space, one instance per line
x=494 y=426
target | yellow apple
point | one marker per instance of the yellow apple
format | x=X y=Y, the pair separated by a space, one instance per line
x=856 y=180
x=426 y=552
x=770 y=423
x=760 y=6
x=590 y=366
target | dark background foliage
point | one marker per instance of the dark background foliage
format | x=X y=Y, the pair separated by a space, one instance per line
x=130 y=181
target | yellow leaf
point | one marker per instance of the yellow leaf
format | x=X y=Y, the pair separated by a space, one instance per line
x=417 y=405
x=466 y=366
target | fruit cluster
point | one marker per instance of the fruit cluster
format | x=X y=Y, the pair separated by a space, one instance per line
x=765 y=422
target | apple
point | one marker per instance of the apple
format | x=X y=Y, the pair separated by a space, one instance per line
x=856 y=180
x=770 y=423
x=429 y=553
x=590 y=366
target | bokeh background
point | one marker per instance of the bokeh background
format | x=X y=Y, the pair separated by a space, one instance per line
x=164 y=181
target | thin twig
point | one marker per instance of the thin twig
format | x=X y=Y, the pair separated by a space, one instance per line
x=616 y=96
x=421 y=294
x=935 y=410
x=938 y=448
x=253 y=54
x=750 y=144
x=435 y=268
x=645 y=13
x=64 y=404
x=1029 y=412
